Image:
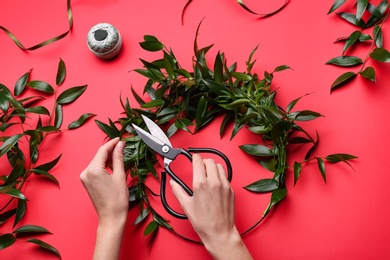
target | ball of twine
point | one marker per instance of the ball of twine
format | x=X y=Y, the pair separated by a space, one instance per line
x=104 y=40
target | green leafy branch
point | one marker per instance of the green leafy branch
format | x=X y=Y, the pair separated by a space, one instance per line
x=377 y=16
x=179 y=99
x=16 y=115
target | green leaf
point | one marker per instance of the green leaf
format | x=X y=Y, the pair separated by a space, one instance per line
x=20 y=211
x=345 y=61
x=144 y=213
x=307 y=115
x=218 y=69
x=351 y=18
x=153 y=103
x=21 y=83
x=261 y=186
x=321 y=167
x=336 y=4
x=352 y=39
x=48 y=166
x=6 y=240
x=361 y=7
x=46 y=175
x=183 y=123
x=281 y=68
x=139 y=100
x=259 y=129
x=378 y=36
x=6 y=215
x=217 y=88
x=41 y=86
x=31 y=229
x=339 y=157
x=70 y=95
x=48 y=128
x=257 y=150
x=380 y=54
x=9 y=143
x=172 y=130
x=38 y=110
x=201 y=112
x=297 y=171
x=342 y=80
x=151 y=43
x=17 y=170
x=61 y=72
x=228 y=118
x=150 y=228
x=44 y=245
x=294 y=102
x=150 y=38
x=241 y=76
x=277 y=196
x=162 y=222
x=183 y=73
x=58 y=116
x=111 y=132
x=268 y=164
x=79 y=122
x=299 y=140
x=14 y=193
x=4 y=98
x=365 y=37
x=369 y=73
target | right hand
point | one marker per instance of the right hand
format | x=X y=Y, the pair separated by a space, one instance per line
x=211 y=210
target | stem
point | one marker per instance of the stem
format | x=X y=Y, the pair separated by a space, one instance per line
x=6 y=205
x=373 y=43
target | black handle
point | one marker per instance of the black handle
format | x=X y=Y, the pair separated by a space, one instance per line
x=220 y=154
x=181 y=183
x=164 y=200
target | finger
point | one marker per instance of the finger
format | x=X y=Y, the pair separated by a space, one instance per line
x=222 y=173
x=179 y=193
x=198 y=170
x=103 y=151
x=117 y=159
x=211 y=170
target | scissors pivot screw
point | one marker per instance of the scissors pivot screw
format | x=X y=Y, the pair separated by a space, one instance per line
x=165 y=149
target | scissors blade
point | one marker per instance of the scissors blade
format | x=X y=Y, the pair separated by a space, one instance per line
x=152 y=141
x=156 y=131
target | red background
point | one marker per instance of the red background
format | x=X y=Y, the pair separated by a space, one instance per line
x=347 y=218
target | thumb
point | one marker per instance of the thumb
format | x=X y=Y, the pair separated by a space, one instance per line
x=117 y=159
x=179 y=193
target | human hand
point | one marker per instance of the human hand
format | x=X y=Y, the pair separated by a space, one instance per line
x=110 y=197
x=211 y=210
x=108 y=192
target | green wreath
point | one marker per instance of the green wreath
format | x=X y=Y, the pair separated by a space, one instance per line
x=180 y=99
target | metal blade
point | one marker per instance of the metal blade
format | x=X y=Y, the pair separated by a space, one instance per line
x=153 y=142
x=156 y=131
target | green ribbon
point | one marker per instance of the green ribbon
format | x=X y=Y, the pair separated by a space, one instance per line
x=262 y=15
x=44 y=43
x=241 y=3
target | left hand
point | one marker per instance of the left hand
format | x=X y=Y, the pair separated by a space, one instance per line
x=108 y=191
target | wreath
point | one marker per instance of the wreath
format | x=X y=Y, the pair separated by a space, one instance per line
x=182 y=100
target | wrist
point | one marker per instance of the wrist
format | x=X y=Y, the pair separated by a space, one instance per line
x=109 y=238
x=113 y=223
x=227 y=247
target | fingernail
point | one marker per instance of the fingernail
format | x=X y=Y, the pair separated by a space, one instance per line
x=120 y=145
x=171 y=182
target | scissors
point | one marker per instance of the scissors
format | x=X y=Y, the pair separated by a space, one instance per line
x=159 y=142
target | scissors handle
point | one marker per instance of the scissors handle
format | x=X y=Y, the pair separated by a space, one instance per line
x=187 y=153
x=220 y=154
